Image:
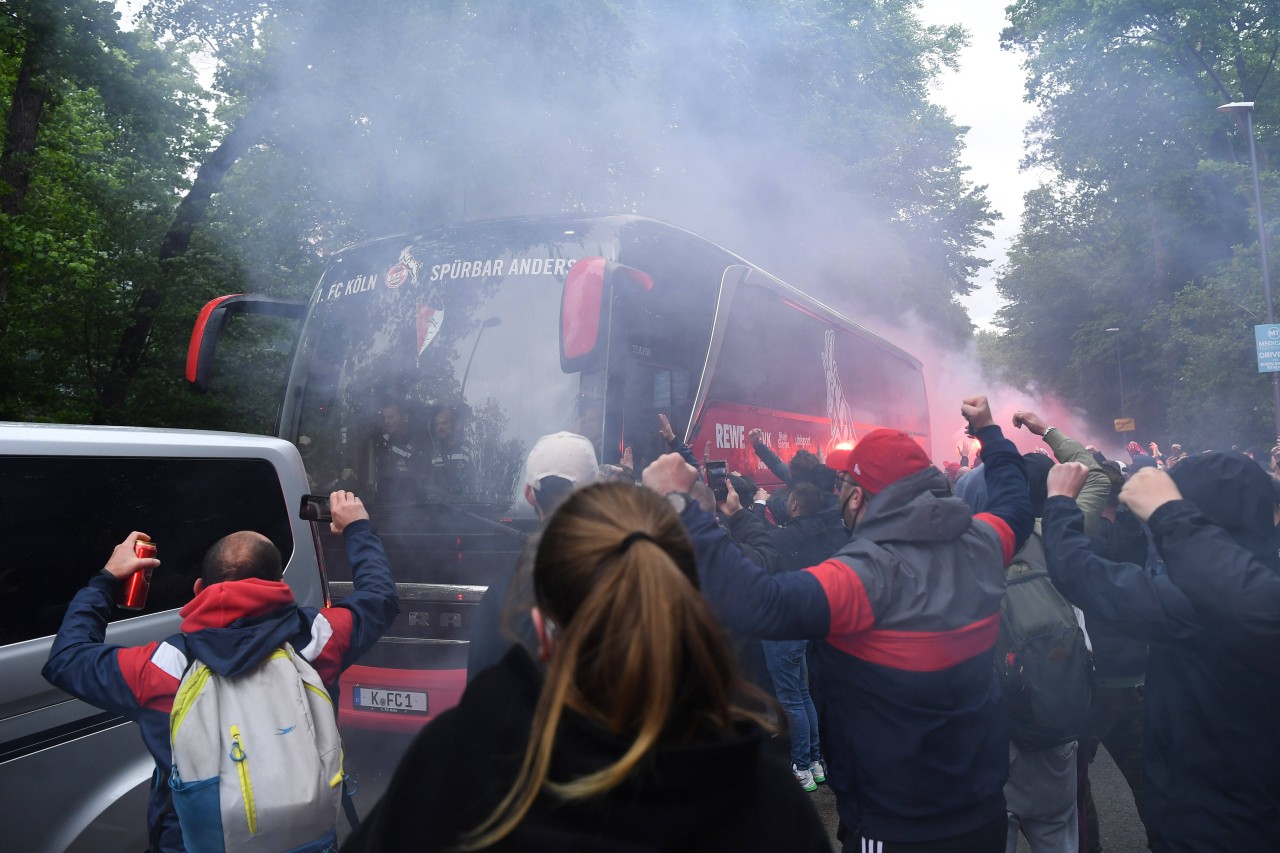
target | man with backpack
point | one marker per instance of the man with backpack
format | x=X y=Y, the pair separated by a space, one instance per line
x=243 y=617
x=1044 y=666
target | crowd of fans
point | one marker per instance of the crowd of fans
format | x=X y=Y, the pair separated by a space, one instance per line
x=862 y=606
x=685 y=665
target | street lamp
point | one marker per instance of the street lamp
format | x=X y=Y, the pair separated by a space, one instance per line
x=1119 y=372
x=1246 y=107
x=487 y=324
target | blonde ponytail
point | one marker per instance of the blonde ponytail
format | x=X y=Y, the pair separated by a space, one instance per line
x=639 y=650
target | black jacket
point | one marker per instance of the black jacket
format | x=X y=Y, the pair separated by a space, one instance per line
x=1117 y=658
x=726 y=794
x=810 y=539
x=1211 y=741
x=908 y=612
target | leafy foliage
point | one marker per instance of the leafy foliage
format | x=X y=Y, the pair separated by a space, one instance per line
x=1148 y=222
x=102 y=186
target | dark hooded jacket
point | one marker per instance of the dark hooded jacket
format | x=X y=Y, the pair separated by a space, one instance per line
x=1211 y=744
x=908 y=613
x=810 y=539
x=231 y=627
x=724 y=792
x=1118 y=659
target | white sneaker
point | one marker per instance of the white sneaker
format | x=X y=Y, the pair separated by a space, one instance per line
x=805 y=778
x=819 y=771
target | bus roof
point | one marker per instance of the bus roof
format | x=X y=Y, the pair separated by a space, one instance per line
x=621 y=221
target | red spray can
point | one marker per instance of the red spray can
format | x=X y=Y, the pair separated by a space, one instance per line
x=133 y=594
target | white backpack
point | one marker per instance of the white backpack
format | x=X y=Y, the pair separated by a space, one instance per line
x=257 y=758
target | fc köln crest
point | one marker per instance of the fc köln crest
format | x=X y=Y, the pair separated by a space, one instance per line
x=429 y=320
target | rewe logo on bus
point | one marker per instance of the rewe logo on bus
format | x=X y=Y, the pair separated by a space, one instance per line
x=731 y=436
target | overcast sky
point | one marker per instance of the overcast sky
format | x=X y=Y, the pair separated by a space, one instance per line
x=986 y=96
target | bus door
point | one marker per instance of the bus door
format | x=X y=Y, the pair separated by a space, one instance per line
x=651 y=385
x=658 y=352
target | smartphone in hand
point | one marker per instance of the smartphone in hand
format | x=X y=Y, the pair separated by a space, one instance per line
x=315 y=508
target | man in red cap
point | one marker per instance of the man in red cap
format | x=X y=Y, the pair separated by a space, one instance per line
x=907 y=616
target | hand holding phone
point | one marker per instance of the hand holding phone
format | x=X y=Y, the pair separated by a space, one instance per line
x=315 y=508
x=718 y=479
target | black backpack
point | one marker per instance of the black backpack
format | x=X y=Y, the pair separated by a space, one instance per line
x=1042 y=661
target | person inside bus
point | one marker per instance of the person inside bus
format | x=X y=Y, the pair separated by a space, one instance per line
x=628 y=736
x=449 y=460
x=400 y=460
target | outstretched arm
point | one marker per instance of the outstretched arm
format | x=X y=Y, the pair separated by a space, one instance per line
x=80 y=662
x=1093 y=495
x=789 y=606
x=771 y=460
x=675 y=444
x=373 y=603
x=1008 y=499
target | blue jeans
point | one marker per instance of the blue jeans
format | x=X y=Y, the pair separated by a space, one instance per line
x=785 y=659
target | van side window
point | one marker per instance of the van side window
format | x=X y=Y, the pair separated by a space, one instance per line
x=65 y=514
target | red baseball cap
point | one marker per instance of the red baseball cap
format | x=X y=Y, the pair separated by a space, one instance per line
x=883 y=456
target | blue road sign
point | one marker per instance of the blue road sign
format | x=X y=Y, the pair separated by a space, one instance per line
x=1267 y=337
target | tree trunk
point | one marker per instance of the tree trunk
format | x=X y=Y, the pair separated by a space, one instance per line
x=25 y=112
x=191 y=210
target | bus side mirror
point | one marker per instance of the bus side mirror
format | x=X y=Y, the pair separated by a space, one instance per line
x=213 y=319
x=584 y=307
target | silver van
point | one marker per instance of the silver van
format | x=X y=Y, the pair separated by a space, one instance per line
x=73 y=777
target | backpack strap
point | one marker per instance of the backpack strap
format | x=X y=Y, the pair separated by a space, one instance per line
x=350 y=787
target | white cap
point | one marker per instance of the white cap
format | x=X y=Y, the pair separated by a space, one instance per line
x=562 y=454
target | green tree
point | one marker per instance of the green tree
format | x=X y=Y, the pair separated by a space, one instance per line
x=1141 y=213
x=89 y=189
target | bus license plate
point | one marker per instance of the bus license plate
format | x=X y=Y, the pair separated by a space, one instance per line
x=392 y=701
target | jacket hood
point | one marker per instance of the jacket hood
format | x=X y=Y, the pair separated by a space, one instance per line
x=231 y=626
x=1235 y=493
x=918 y=508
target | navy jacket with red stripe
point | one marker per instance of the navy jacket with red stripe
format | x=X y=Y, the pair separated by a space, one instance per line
x=230 y=627
x=908 y=614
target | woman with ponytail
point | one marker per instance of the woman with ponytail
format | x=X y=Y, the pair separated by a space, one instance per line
x=626 y=737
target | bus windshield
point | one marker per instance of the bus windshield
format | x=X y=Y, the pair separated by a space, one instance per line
x=427 y=369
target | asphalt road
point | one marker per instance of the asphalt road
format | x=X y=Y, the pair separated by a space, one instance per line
x=370 y=760
x=1120 y=828
x=1118 y=822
